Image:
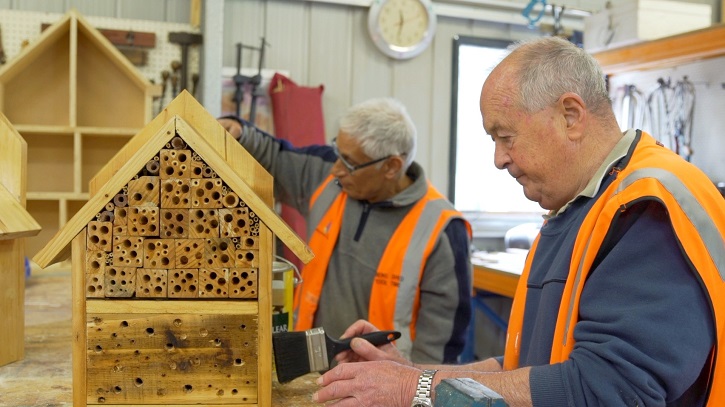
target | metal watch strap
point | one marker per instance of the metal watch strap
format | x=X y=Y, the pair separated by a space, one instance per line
x=425 y=384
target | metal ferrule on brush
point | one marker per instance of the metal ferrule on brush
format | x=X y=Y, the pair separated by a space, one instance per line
x=317 y=349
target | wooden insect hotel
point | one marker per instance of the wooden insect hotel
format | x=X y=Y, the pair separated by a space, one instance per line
x=15 y=224
x=172 y=269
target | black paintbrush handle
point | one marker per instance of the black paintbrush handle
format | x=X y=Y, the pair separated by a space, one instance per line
x=377 y=338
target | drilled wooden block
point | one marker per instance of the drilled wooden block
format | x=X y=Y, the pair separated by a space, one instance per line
x=175 y=193
x=144 y=191
x=143 y=221
x=248 y=243
x=120 y=216
x=120 y=230
x=159 y=253
x=127 y=251
x=95 y=260
x=120 y=281
x=203 y=223
x=95 y=271
x=184 y=283
x=243 y=282
x=189 y=253
x=218 y=253
x=175 y=163
x=213 y=283
x=197 y=168
x=94 y=284
x=151 y=283
x=233 y=222
x=99 y=236
x=246 y=258
x=206 y=193
x=172 y=359
x=174 y=223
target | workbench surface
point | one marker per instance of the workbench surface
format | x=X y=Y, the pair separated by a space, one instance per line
x=43 y=377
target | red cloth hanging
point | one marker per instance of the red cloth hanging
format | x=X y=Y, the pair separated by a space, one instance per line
x=297 y=113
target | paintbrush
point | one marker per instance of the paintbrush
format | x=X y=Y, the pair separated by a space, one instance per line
x=302 y=352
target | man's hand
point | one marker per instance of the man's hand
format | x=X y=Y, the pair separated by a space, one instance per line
x=368 y=384
x=363 y=350
x=232 y=126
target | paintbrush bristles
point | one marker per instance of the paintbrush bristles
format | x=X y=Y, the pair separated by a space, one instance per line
x=290 y=355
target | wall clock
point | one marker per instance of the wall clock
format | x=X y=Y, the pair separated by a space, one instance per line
x=402 y=29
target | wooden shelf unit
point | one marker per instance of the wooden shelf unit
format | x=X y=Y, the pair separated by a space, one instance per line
x=76 y=100
x=664 y=52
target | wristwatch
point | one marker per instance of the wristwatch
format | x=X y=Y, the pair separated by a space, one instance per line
x=422 y=393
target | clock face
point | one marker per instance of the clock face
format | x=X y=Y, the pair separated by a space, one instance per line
x=401 y=28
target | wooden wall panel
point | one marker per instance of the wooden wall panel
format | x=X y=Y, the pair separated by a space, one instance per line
x=412 y=81
x=244 y=22
x=330 y=39
x=288 y=32
x=440 y=125
x=371 y=70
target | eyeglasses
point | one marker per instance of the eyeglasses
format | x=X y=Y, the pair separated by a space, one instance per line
x=351 y=168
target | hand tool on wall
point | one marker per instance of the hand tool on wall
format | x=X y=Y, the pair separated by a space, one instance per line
x=194 y=82
x=185 y=40
x=176 y=66
x=164 y=80
x=2 y=51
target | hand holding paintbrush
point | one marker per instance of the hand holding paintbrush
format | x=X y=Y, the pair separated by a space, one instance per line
x=299 y=353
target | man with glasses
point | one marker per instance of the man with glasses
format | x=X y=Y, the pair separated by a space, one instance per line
x=388 y=246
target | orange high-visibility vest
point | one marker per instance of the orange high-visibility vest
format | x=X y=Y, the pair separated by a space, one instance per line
x=404 y=257
x=697 y=215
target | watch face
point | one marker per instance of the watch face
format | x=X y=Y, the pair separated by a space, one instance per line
x=417 y=402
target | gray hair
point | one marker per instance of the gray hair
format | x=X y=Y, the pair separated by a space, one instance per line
x=551 y=66
x=382 y=127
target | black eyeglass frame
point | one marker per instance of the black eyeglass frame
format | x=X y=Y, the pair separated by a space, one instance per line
x=352 y=168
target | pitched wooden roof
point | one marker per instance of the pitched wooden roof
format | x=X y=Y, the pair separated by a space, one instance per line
x=186 y=118
x=15 y=221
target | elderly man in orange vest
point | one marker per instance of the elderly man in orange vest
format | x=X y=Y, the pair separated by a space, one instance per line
x=622 y=298
x=388 y=246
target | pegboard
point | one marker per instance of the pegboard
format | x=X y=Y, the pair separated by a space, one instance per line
x=23 y=27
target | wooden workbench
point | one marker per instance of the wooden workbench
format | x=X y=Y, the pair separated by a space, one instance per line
x=498 y=272
x=43 y=377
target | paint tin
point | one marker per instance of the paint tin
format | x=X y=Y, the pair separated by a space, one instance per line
x=283 y=283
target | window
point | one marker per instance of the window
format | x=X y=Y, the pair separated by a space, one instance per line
x=476 y=185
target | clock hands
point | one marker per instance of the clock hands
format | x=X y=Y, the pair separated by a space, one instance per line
x=401 y=21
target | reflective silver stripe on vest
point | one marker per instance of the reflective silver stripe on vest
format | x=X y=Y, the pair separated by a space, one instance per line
x=700 y=219
x=410 y=275
x=703 y=223
x=322 y=204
